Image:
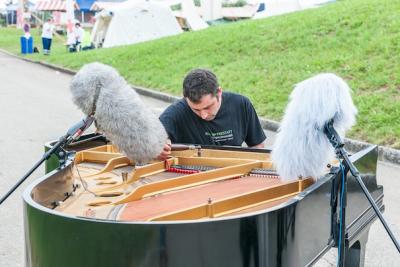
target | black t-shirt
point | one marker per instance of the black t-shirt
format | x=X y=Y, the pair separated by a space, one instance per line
x=236 y=122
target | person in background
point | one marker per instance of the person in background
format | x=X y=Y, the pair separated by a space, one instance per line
x=208 y=116
x=78 y=33
x=47 y=36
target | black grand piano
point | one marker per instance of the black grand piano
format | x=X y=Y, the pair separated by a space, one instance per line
x=293 y=231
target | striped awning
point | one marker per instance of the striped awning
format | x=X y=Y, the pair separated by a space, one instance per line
x=53 y=5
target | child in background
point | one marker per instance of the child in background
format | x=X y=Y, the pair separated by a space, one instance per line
x=78 y=32
x=27 y=29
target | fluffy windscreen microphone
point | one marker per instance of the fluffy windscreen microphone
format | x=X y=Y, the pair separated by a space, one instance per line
x=301 y=147
x=119 y=112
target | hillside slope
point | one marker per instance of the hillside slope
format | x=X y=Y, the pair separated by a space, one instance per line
x=264 y=59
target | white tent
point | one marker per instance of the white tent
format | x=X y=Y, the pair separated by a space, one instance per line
x=133 y=22
x=211 y=9
x=2 y=6
x=192 y=16
x=279 y=7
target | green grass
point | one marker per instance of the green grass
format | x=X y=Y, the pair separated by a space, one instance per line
x=264 y=59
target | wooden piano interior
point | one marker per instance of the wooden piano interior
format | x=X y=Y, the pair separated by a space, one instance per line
x=191 y=185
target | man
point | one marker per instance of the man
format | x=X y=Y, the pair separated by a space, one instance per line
x=208 y=116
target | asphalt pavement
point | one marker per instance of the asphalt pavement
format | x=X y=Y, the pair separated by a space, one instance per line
x=36 y=106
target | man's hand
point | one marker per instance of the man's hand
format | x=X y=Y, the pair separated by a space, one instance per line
x=259 y=146
x=166 y=152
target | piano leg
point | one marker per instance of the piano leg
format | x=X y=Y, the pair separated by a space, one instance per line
x=355 y=254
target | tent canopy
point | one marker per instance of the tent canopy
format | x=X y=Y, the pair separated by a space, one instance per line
x=133 y=22
x=53 y=5
x=98 y=6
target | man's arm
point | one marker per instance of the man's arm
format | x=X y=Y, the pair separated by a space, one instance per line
x=259 y=146
x=168 y=120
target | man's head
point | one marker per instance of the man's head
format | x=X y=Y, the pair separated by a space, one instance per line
x=202 y=93
x=77 y=25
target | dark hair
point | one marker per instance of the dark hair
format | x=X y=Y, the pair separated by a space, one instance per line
x=77 y=24
x=26 y=27
x=199 y=82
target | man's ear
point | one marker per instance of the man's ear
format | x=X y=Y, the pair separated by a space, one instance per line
x=219 y=92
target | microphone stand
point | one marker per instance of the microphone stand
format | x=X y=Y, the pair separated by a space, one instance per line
x=341 y=153
x=73 y=133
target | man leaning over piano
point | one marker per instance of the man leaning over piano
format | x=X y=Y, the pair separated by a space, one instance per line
x=208 y=116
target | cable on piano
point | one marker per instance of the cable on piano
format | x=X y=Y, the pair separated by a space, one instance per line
x=84 y=184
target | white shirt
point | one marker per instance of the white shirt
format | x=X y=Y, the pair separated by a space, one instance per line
x=48 y=29
x=78 y=34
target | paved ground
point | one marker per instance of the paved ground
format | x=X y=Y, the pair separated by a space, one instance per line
x=36 y=106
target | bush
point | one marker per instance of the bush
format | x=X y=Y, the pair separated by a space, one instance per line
x=2 y=21
x=238 y=3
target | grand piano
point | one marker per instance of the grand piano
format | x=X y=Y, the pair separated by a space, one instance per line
x=211 y=206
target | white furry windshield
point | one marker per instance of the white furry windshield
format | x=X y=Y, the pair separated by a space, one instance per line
x=119 y=112
x=301 y=147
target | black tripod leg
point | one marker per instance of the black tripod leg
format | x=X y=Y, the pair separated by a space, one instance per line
x=377 y=211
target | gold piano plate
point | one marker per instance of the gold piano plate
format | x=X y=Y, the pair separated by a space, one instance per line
x=190 y=185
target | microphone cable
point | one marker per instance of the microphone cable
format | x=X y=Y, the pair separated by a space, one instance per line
x=340 y=240
x=84 y=184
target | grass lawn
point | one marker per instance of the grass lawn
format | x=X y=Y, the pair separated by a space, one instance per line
x=263 y=59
